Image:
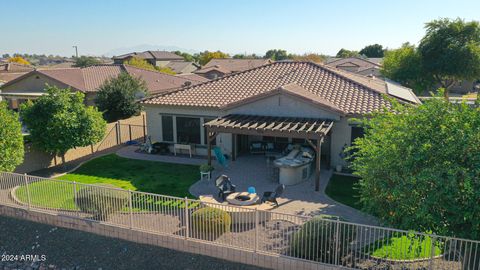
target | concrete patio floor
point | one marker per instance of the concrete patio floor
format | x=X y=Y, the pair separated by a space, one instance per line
x=251 y=170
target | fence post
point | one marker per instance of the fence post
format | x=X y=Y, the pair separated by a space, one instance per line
x=337 y=232
x=256 y=230
x=144 y=128
x=28 y=190
x=187 y=222
x=75 y=196
x=432 y=251
x=119 y=133
x=130 y=131
x=130 y=208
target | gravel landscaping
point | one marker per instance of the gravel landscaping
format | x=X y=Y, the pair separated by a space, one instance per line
x=70 y=249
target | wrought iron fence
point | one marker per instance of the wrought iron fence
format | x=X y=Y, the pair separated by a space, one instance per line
x=321 y=239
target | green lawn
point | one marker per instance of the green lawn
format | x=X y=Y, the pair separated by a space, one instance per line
x=343 y=189
x=147 y=176
x=405 y=248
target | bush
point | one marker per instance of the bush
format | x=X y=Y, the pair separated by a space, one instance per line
x=317 y=240
x=101 y=202
x=206 y=168
x=210 y=223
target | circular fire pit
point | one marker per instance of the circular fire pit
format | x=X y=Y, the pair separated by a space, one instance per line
x=243 y=198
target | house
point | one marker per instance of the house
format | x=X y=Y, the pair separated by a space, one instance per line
x=366 y=67
x=160 y=59
x=217 y=68
x=281 y=102
x=87 y=80
x=12 y=70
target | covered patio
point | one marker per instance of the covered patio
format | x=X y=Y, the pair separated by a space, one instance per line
x=312 y=130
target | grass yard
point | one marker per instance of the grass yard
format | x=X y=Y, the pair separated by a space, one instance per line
x=343 y=189
x=147 y=176
x=405 y=248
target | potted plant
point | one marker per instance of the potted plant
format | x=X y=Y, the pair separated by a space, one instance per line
x=206 y=170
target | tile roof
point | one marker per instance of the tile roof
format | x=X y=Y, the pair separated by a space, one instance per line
x=352 y=61
x=193 y=77
x=179 y=66
x=229 y=65
x=89 y=79
x=14 y=67
x=158 y=55
x=343 y=91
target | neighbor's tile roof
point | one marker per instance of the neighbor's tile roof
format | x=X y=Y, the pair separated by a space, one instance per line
x=229 y=65
x=179 y=66
x=89 y=79
x=193 y=77
x=348 y=92
x=353 y=61
x=14 y=67
x=158 y=55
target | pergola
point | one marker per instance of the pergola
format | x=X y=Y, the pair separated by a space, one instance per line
x=289 y=127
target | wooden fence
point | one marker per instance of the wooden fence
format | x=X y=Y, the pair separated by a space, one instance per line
x=118 y=133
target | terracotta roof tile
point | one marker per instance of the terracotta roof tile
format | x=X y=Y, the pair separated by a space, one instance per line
x=349 y=93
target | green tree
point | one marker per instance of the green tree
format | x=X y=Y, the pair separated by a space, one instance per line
x=344 y=53
x=206 y=56
x=405 y=66
x=450 y=51
x=276 y=55
x=419 y=167
x=143 y=64
x=375 y=50
x=117 y=97
x=246 y=56
x=59 y=121
x=186 y=56
x=86 y=61
x=311 y=57
x=11 y=140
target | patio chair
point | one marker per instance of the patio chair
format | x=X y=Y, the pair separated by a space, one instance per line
x=225 y=186
x=271 y=196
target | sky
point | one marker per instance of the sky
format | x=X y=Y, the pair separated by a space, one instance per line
x=103 y=27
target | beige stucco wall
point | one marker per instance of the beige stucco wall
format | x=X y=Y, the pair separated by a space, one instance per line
x=279 y=105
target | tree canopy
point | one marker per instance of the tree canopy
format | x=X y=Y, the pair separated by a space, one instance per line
x=276 y=54
x=186 y=56
x=312 y=57
x=117 y=97
x=405 y=66
x=11 y=139
x=18 y=59
x=450 y=51
x=246 y=56
x=206 y=56
x=86 y=61
x=419 y=167
x=59 y=121
x=143 y=64
x=344 y=53
x=371 y=51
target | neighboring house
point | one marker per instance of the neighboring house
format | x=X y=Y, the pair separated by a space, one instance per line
x=281 y=102
x=12 y=70
x=367 y=67
x=160 y=59
x=217 y=68
x=87 y=80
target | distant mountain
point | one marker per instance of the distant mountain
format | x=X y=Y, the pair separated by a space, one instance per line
x=147 y=47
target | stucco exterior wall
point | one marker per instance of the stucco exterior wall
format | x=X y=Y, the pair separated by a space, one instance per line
x=31 y=84
x=279 y=105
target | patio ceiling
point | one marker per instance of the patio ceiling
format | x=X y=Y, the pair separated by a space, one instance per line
x=290 y=127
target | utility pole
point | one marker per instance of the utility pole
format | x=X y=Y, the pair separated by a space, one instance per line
x=76 y=50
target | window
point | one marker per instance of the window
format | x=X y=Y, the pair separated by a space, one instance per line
x=188 y=130
x=357 y=132
x=167 y=128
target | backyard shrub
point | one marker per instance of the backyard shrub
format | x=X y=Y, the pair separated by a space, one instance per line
x=321 y=239
x=209 y=223
x=101 y=202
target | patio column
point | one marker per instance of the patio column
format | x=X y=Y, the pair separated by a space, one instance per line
x=210 y=137
x=318 y=159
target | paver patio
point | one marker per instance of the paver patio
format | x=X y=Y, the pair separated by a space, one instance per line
x=251 y=170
